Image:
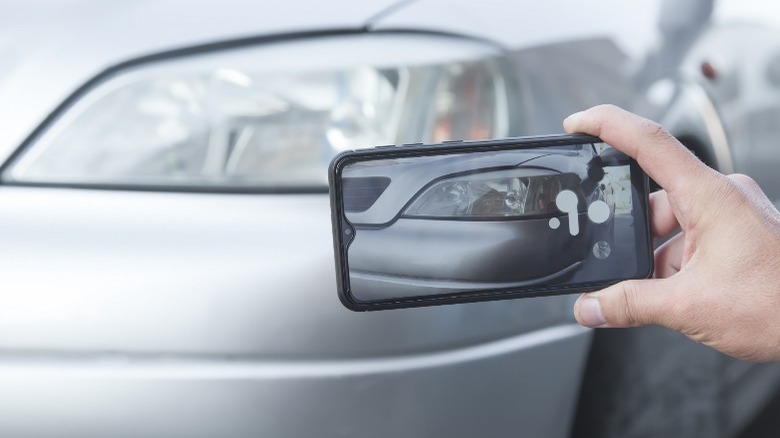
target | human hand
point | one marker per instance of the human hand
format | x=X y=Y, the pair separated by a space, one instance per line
x=718 y=280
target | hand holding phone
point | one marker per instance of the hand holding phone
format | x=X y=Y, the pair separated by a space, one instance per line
x=482 y=220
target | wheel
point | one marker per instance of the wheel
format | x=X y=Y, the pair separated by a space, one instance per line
x=650 y=382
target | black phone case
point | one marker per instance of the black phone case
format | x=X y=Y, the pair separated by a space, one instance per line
x=341 y=245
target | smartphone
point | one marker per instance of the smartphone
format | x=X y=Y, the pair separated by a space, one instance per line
x=420 y=225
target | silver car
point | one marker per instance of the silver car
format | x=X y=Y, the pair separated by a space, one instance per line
x=166 y=265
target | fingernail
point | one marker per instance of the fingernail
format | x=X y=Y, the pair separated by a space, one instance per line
x=590 y=313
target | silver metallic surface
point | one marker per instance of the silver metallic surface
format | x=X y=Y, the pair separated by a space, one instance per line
x=420 y=394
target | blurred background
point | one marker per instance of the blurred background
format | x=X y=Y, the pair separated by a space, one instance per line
x=166 y=263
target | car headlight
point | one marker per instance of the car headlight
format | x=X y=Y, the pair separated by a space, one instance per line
x=271 y=116
x=523 y=192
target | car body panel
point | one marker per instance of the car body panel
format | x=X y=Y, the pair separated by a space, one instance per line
x=631 y=25
x=464 y=256
x=443 y=393
x=174 y=273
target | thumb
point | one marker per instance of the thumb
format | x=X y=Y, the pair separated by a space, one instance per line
x=629 y=303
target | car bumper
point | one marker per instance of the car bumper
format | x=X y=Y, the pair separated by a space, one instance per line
x=531 y=377
x=378 y=287
x=423 y=256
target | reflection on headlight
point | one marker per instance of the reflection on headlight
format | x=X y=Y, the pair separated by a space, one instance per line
x=509 y=193
x=267 y=117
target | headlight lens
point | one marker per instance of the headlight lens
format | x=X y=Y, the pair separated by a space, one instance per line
x=271 y=116
x=508 y=193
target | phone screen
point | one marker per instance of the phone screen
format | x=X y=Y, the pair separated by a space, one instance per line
x=438 y=225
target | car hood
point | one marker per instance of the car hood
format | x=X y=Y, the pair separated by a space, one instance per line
x=48 y=48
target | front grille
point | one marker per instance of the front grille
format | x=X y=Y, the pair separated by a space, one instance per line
x=361 y=193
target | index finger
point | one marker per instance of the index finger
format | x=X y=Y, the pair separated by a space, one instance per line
x=664 y=158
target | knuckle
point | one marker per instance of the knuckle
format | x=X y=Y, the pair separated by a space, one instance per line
x=606 y=107
x=630 y=304
x=743 y=181
x=605 y=111
x=656 y=131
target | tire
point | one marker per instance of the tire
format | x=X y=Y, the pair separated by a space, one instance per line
x=650 y=382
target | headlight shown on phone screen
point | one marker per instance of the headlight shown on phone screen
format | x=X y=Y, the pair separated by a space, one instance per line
x=509 y=193
x=271 y=116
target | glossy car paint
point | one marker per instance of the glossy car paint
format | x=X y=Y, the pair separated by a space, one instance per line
x=125 y=313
